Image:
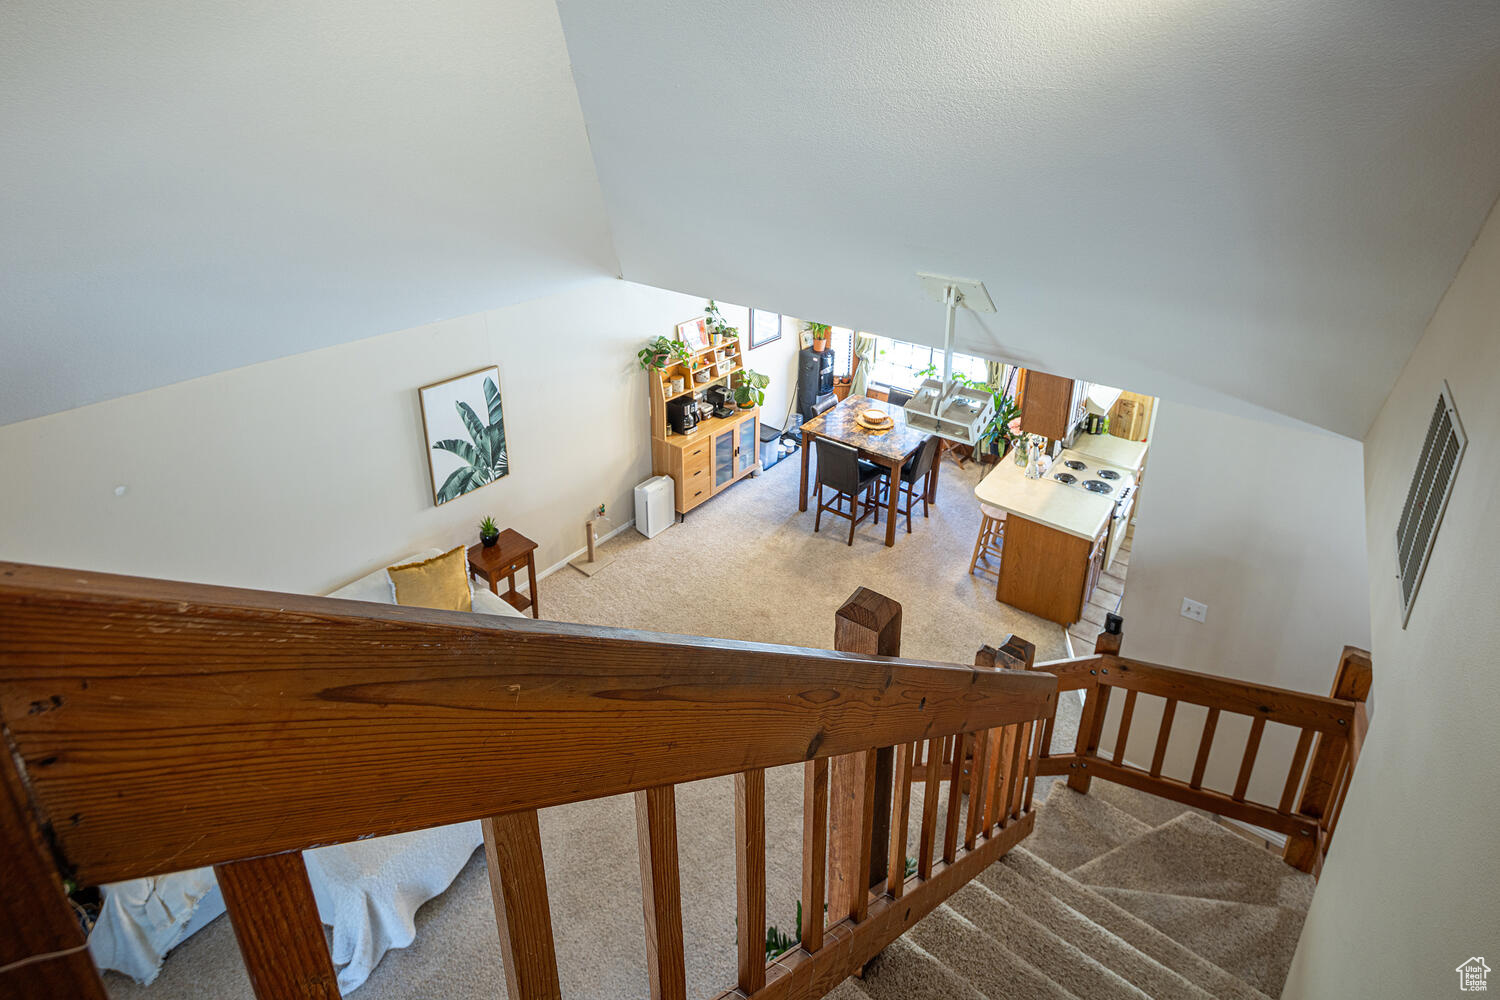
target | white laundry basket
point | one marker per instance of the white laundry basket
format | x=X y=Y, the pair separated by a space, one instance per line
x=653 y=506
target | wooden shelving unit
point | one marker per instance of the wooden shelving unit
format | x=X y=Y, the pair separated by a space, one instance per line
x=717 y=453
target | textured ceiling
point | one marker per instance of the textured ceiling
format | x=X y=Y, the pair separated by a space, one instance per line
x=1256 y=202
x=187 y=187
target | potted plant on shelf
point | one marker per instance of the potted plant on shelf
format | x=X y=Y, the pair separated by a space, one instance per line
x=718 y=327
x=819 y=333
x=489 y=534
x=662 y=352
x=750 y=389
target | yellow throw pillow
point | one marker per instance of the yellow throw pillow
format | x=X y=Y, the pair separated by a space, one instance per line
x=441 y=582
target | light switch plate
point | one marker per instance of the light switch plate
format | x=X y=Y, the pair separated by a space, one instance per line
x=1194 y=610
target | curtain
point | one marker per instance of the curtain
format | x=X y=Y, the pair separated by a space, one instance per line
x=994 y=372
x=864 y=350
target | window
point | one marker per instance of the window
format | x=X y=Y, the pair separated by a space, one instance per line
x=897 y=363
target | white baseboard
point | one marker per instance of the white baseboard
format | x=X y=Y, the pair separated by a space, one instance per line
x=582 y=551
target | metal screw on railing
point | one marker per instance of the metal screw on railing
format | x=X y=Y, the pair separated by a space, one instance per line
x=1093 y=671
x=1343 y=722
x=1307 y=833
x=1104 y=671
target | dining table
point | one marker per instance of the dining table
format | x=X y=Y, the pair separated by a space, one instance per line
x=889 y=447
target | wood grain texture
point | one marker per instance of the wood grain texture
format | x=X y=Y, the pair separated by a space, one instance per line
x=661 y=891
x=1126 y=714
x=275 y=919
x=1044 y=571
x=978 y=770
x=814 y=851
x=1205 y=746
x=523 y=916
x=851 y=828
x=900 y=819
x=1294 y=772
x=35 y=918
x=960 y=744
x=1247 y=761
x=166 y=726
x=750 y=876
x=1163 y=735
x=927 y=843
x=1291 y=708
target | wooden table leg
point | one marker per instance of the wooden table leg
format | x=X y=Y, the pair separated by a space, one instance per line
x=892 y=493
x=494 y=579
x=802 y=489
x=932 y=478
x=531 y=583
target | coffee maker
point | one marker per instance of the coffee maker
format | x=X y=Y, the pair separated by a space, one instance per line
x=722 y=398
x=682 y=413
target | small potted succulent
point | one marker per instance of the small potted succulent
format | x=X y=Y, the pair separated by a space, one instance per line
x=718 y=327
x=489 y=534
x=819 y=333
x=662 y=352
x=750 y=389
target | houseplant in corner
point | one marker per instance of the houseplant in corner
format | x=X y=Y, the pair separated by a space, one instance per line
x=489 y=534
x=662 y=352
x=819 y=333
x=750 y=389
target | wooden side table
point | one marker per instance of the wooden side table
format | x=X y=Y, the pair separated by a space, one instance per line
x=506 y=558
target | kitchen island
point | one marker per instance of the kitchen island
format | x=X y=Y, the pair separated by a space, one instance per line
x=1055 y=541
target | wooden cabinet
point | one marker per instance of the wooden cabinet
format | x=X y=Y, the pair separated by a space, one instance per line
x=1047 y=572
x=715 y=456
x=1047 y=404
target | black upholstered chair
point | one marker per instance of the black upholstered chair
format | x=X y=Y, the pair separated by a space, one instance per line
x=897 y=397
x=912 y=484
x=825 y=405
x=851 y=480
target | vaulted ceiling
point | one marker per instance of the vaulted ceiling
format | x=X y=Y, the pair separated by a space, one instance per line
x=1253 y=206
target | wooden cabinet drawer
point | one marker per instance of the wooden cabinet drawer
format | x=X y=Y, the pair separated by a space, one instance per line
x=692 y=454
x=696 y=476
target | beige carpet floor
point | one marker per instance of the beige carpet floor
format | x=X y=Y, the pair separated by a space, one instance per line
x=747 y=565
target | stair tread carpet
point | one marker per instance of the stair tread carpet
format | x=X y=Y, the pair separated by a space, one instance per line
x=849 y=989
x=905 y=971
x=985 y=964
x=1129 y=928
x=1135 y=966
x=1193 y=856
x=1085 y=976
x=1153 y=810
x=1073 y=829
x=1251 y=941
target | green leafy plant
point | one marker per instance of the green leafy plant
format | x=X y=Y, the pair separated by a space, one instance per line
x=750 y=389
x=483 y=454
x=819 y=331
x=487 y=528
x=718 y=325
x=662 y=352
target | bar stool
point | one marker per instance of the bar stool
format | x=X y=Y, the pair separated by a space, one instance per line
x=991 y=536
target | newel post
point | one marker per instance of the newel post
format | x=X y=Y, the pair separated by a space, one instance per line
x=859 y=784
x=1096 y=704
x=1330 y=757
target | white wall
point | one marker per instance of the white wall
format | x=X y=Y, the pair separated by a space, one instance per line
x=302 y=473
x=1263 y=522
x=1410 y=887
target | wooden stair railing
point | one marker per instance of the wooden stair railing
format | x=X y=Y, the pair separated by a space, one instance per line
x=1332 y=731
x=153 y=726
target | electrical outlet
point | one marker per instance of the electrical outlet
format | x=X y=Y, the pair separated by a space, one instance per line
x=1194 y=610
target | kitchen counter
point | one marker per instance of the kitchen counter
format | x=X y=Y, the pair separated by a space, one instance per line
x=1106 y=449
x=1046 y=501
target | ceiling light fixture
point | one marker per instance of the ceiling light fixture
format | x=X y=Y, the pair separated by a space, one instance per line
x=942 y=406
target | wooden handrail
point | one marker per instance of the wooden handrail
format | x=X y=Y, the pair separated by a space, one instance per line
x=157 y=726
x=1331 y=729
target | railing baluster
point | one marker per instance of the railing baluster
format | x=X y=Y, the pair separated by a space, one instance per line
x=750 y=875
x=1018 y=770
x=1205 y=744
x=1294 y=773
x=851 y=831
x=994 y=778
x=1124 y=733
x=814 y=850
x=1247 y=763
x=518 y=887
x=275 y=920
x=1162 y=736
x=930 y=793
x=978 y=770
x=955 y=791
x=661 y=891
x=1036 y=759
x=900 y=818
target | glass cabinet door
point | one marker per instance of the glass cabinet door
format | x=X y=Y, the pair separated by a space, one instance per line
x=723 y=459
x=749 y=445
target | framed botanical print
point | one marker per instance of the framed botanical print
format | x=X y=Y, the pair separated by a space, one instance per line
x=464 y=429
x=694 y=333
x=764 y=327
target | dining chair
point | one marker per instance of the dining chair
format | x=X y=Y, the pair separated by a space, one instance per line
x=897 y=397
x=915 y=470
x=991 y=538
x=841 y=470
x=824 y=406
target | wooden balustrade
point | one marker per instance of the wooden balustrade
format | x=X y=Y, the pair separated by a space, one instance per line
x=1330 y=732
x=157 y=726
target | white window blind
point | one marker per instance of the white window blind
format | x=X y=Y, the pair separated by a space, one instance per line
x=897 y=363
x=1427 y=497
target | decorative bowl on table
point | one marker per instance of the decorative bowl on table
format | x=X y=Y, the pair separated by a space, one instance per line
x=875 y=420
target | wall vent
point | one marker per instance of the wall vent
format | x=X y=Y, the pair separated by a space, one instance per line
x=1427 y=497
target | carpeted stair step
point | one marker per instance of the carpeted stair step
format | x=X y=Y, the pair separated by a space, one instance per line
x=986 y=965
x=1081 y=974
x=1253 y=942
x=1129 y=928
x=1153 y=810
x=1136 y=967
x=849 y=989
x=1073 y=829
x=1193 y=856
x=905 y=971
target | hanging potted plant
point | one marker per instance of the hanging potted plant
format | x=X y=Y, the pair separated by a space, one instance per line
x=750 y=389
x=662 y=352
x=819 y=333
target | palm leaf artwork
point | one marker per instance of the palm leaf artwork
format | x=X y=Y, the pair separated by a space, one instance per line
x=483 y=454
